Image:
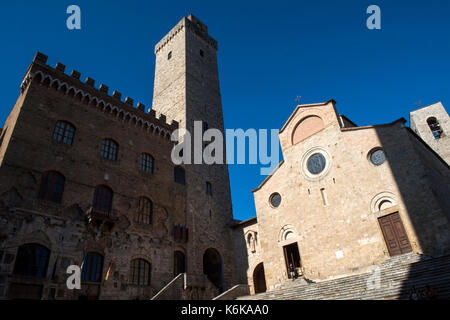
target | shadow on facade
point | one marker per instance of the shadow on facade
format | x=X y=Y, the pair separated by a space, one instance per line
x=421 y=225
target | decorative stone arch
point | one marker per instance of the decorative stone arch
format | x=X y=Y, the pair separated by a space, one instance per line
x=101 y=104
x=94 y=102
x=108 y=108
x=47 y=81
x=287 y=233
x=38 y=76
x=251 y=239
x=382 y=201
x=38 y=237
x=306 y=127
x=64 y=88
x=56 y=84
x=71 y=92
x=86 y=99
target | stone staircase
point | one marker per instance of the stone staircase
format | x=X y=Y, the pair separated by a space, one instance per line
x=396 y=277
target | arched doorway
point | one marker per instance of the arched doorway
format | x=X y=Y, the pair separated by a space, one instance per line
x=259 y=279
x=212 y=267
x=179 y=263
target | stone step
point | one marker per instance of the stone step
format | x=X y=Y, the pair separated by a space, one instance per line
x=397 y=276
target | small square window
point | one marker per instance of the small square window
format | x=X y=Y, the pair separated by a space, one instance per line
x=201 y=53
x=169 y=55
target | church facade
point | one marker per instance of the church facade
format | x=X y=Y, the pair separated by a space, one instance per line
x=345 y=198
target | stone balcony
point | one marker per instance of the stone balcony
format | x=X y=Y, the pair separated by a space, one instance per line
x=99 y=218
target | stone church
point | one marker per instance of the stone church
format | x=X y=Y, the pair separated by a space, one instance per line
x=87 y=179
x=346 y=198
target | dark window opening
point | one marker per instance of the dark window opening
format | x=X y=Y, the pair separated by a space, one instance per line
x=64 y=132
x=208 y=188
x=201 y=53
x=92 y=267
x=140 y=272
x=146 y=163
x=435 y=127
x=145 y=210
x=179 y=175
x=32 y=260
x=109 y=149
x=102 y=199
x=179 y=263
x=169 y=55
x=52 y=186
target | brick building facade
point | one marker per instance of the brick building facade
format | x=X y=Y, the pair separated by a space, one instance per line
x=87 y=179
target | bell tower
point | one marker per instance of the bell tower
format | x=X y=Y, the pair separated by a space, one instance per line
x=186 y=89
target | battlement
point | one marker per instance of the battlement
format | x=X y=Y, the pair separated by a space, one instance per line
x=86 y=93
x=192 y=24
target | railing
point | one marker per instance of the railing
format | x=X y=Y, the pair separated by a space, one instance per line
x=95 y=214
x=173 y=290
x=238 y=290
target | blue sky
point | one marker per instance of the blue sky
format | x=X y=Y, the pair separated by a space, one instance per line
x=269 y=53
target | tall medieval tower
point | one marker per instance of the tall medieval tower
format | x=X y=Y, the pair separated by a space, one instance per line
x=186 y=89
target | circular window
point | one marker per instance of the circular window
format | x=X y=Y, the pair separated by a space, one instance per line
x=316 y=163
x=275 y=199
x=377 y=157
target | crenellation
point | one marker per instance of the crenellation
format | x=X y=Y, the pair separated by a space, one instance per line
x=117 y=95
x=90 y=82
x=75 y=74
x=141 y=107
x=87 y=94
x=60 y=67
x=129 y=101
x=40 y=58
x=103 y=88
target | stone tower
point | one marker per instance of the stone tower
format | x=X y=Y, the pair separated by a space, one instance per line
x=432 y=124
x=186 y=89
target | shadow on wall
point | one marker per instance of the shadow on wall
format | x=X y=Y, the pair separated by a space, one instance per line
x=241 y=255
x=423 y=226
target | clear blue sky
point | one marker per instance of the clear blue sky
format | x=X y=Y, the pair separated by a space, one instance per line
x=269 y=53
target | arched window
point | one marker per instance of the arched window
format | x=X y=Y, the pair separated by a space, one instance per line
x=179 y=263
x=146 y=163
x=102 y=199
x=435 y=127
x=145 y=210
x=32 y=260
x=92 y=267
x=109 y=149
x=179 y=175
x=52 y=186
x=140 y=272
x=212 y=267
